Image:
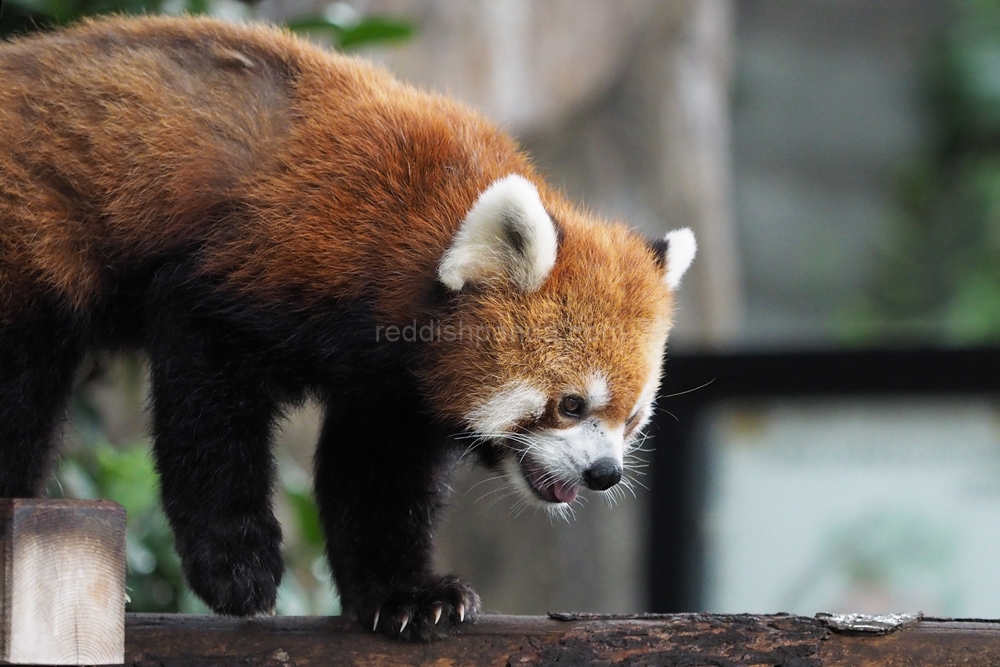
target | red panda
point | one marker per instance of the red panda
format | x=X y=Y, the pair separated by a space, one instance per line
x=270 y=222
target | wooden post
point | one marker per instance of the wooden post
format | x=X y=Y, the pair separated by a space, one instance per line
x=62 y=582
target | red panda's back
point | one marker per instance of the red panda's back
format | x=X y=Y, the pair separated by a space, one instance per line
x=298 y=171
x=129 y=137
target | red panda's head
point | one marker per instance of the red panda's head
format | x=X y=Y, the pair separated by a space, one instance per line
x=553 y=339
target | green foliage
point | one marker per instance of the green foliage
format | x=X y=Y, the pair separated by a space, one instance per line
x=110 y=402
x=344 y=27
x=350 y=32
x=154 y=579
x=940 y=276
x=20 y=16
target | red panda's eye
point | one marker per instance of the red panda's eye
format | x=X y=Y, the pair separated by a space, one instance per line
x=630 y=420
x=572 y=406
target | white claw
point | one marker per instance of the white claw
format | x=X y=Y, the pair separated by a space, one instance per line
x=375 y=625
x=406 y=619
x=437 y=615
x=461 y=613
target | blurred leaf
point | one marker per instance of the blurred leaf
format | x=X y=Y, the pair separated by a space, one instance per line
x=317 y=23
x=306 y=517
x=127 y=477
x=30 y=15
x=197 y=6
x=974 y=312
x=374 y=30
x=57 y=11
x=364 y=32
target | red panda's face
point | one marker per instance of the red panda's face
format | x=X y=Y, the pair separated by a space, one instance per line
x=557 y=333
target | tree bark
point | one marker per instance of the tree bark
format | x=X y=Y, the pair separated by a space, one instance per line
x=663 y=640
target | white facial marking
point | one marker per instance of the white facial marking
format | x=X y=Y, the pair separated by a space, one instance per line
x=681 y=248
x=598 y=394
x=507 y=233
x=565 y=453
x=511 y=404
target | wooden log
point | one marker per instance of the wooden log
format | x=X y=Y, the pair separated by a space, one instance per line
x=508 y=641
x=62 y=582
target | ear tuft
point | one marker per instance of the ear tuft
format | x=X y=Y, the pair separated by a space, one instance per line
x=507 y=233
x=681 y=248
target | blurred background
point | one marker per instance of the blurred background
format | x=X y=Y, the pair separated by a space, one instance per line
x=839 y=162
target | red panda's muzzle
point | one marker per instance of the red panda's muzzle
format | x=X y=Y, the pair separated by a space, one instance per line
x=545 y=485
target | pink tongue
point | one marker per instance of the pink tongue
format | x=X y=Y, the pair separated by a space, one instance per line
x=564 y=493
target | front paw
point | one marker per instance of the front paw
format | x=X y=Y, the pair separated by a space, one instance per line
x=431 y=609
x=234 y=566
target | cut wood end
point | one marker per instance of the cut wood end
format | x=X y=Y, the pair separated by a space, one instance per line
x=62 y=582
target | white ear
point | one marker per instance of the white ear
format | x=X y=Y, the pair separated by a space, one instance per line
x=507 y=233
x=681 y=248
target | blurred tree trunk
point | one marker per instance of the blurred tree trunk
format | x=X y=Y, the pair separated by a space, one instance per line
x=654 y=148
x=689 y=48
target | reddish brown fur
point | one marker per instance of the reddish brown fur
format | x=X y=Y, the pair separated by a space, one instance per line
x=253 y=210
x=601 y=272
x=355 y=184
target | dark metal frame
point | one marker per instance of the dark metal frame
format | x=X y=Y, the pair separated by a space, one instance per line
x=678 y=470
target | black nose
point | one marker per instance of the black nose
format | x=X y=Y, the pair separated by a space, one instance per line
x=602 y=474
